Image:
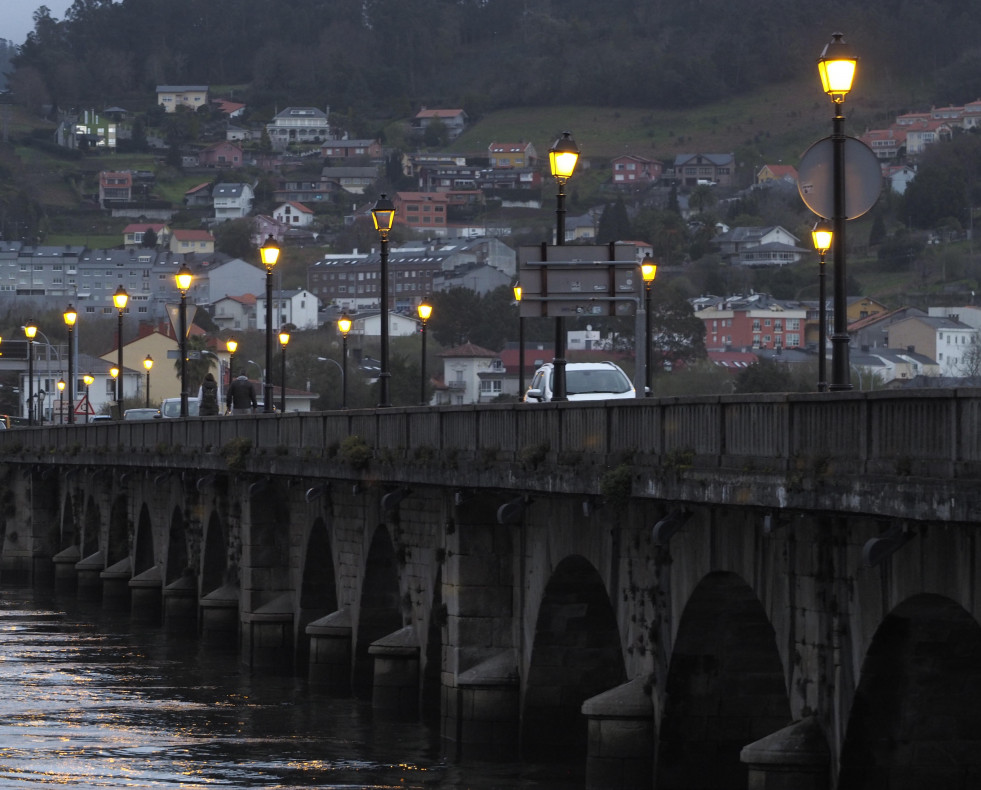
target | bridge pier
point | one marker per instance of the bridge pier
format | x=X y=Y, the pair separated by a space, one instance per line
x=267 y=635
x=794 y=758
x=180 y=603
x=115 y=585
x=65 y=572
x=219 y=615
x=146 y=595
x=395 y=679
x=330 y=651
x=483 y=711
x=89 y=576
x=620 y=753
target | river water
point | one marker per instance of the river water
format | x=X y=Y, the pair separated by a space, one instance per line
x=90 y=699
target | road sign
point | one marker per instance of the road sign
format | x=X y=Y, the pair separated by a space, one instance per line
x=83 y=406
x=578 y=281
x=863 y=178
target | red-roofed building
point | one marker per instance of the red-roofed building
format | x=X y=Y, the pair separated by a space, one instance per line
x=786 y=173
x=454 y=120
x=115 y=187
x=133 y=234
x=221 y=154
x=294 y=215
x=235 y=312
x=632 y=170
x=232 y=109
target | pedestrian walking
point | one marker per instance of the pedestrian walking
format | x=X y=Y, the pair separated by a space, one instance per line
x=241 y=397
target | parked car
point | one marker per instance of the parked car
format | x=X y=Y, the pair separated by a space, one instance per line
x=583 y=381
x=170 y=408
x=145 y=414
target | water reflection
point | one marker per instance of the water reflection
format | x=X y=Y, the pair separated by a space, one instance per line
x=89 y=699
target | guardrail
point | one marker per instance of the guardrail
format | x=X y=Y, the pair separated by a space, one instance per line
x=933 y=433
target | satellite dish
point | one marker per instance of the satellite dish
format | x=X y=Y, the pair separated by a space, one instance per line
x=863 y=178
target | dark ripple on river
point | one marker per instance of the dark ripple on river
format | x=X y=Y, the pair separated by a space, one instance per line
x=90 y=700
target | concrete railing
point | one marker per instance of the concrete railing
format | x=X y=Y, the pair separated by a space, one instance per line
x=933 y=433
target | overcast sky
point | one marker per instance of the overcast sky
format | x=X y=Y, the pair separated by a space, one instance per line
x=17 y=16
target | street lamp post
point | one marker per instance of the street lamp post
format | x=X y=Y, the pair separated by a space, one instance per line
x=231 y=346
x=284 y=339
x=344 y=326
x=269 y=252
x=648 y=271
x=115 y=373
x=562 y=159
x=61 y=401
x=147 y=365
x=521 y=343
x=71 y=316
x=822 y=237
x=425 y=310
x=184 y=278
x=87 y=379
x=383 y=215
x=119 y=299
x=30 y=330
x=836 y=67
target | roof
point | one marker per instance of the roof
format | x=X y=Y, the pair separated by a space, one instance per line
x=229 y=190
x=298 y=206
x=137 y=227
x=229 y=106
x=301 y=112
x=199 y=188
x=427 y=113
x=469 y=350
x=180 y=88
x=193 y=235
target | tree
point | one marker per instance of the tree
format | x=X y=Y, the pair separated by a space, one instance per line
x=614 y=223
x=235 y=238
x=149 y=238
x=454 y=310
x=678 y=335
x=765 y=375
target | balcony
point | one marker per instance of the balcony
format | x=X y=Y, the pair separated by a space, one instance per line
x=457 y=386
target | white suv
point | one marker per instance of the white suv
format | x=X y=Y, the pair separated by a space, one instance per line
x=583 y=381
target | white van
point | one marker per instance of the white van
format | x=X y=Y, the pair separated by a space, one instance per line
x=170 y=408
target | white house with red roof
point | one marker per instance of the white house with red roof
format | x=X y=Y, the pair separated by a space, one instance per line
x=293 y=215
x=235 y=312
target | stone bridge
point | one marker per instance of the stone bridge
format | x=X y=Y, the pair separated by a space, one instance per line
x=768 y=592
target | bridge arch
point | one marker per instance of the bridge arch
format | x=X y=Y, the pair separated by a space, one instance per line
x=144 y=555
x=380 y=612
x=215 y=570
x=916 y=717
x=69 y=532
x=118 y=543
x=318 y=584
x=725 y=687
x=91 y=527
x=177 y=560
x=576 y=654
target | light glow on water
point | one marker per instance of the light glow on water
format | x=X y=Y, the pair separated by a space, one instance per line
x=92 y=700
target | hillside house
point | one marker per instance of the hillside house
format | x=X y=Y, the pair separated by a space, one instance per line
x=631 y=170
x=199 y=196
x=772 y=173
x=115 y=187
x=512 y=155
x=185 y=241
x=221 y=154
x=298 y=307
x=232 y=201
x=351 y=179
x=751 y=322
x=133 y=234
x=170 y=97
x=293 y=215
x=351 y=149
x=455 y=120
x=688 y=169
x=235 y=312
x=471 y=374
x=945 y=339
x=759 y=246
x=298 y=126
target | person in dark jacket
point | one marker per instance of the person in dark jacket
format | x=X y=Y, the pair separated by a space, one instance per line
x=209 y=396
x=241 y=397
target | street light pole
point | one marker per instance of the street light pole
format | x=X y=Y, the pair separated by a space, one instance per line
x=562 y=159
x=119 y=299
x=344 y=326
x=61 y=401
x=147 y=364
x=383 y=215
x=87 y=379
x=71 y=316
x=425 y=310
x=184 y=278
x=284 y=339
x=822 y=237
x=231 y=346
x=521 y=343
x=836 y=67
x=269 y=253
x=30 y=330
x=648 y=271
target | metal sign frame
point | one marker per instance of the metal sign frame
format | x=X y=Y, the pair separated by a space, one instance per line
x=570 y=281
